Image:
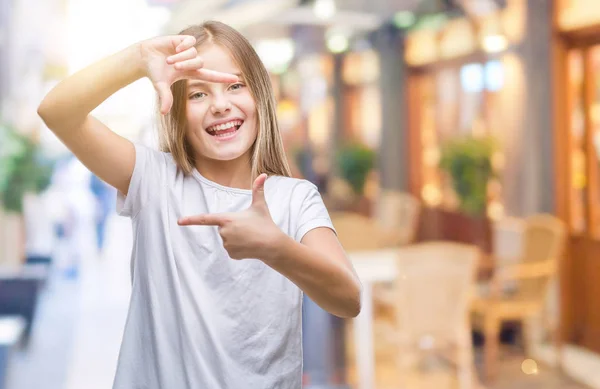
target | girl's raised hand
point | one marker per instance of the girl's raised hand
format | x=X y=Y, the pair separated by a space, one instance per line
x=168 y=59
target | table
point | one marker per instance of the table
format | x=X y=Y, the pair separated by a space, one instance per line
x=20 y=288
x=378 y=266
x=11 y=330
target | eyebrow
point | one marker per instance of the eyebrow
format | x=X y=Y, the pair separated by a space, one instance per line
x=200 y=83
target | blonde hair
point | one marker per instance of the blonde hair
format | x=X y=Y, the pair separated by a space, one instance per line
x=268 y=155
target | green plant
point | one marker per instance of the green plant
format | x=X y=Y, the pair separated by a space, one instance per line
x=468 y=162
x=23 y=168
x=354 y=162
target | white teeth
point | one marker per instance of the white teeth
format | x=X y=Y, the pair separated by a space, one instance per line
x=225 y=126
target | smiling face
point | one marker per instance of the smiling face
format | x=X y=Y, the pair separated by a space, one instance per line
x=221 y=118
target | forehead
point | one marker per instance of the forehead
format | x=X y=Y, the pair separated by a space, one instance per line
x=217 y=58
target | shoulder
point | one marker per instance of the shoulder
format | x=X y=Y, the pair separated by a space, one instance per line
x=303 y=204
x=151 y=153
x=153 y=161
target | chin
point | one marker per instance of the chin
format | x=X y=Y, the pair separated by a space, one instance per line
x=225 y=151
x=227 y=156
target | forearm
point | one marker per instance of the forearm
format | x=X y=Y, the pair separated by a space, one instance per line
x=69 y=103
x=330 y=284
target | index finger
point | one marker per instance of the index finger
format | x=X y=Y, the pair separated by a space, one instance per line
x=214 y=76
x=202 y=220
x=185 y=42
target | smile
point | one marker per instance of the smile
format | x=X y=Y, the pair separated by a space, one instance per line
x=225 y=130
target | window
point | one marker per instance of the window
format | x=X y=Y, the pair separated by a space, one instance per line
x=455 y=101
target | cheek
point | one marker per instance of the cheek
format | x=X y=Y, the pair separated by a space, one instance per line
x=195 y=114
x=253 y=118
x=246 y=103
x=251 y=113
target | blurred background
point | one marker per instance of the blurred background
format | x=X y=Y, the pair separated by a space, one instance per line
x=455 y=142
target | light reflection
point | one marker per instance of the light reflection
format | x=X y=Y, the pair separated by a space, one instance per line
x=529 y=367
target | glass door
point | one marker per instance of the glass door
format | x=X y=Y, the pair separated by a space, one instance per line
x=577 y=132
x=593 y=75
x=584 y=139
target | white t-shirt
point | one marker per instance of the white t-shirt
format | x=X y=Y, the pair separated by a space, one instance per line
x=197 y=318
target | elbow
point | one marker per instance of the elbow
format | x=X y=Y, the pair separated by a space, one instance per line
x=354 y=310
x=357 y=302
x=43 y=112
x=353 y=304
x=51 y=114
x=56 y=117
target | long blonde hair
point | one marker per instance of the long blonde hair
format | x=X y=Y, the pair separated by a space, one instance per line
x=268 y=155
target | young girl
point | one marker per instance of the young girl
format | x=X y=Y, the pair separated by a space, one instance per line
x=222 y=253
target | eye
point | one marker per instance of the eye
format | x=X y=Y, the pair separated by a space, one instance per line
x=236 y=86
x=197 y=95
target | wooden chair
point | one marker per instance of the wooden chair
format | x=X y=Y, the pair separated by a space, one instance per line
x=397 y=214
x=357 y=232
x=544 y=239
x=339 y=196
x=397 y=217
x=433 y=294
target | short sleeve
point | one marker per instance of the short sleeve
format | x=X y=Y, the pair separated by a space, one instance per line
x=146 y=177
x=313 y=213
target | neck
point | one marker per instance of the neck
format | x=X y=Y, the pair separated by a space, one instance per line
x=233 y=174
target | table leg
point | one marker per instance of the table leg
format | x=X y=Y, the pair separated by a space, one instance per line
x=363 y=340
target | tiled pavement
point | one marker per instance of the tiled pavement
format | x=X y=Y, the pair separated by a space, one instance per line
x=79 y=324
x=511 y=377
x=44 y=364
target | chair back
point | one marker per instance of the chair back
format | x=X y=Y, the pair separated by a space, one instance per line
x=357 y=232
x=435 y=285
x=398 y=216
x=544 y=240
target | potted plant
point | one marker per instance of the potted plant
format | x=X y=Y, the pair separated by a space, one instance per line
x=23 y=170
x=354 y=163
x=468 y=163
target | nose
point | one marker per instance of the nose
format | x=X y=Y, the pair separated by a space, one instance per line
x=220 y=104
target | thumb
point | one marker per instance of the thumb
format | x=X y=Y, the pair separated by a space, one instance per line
x=165 y=97
x=258 y=191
